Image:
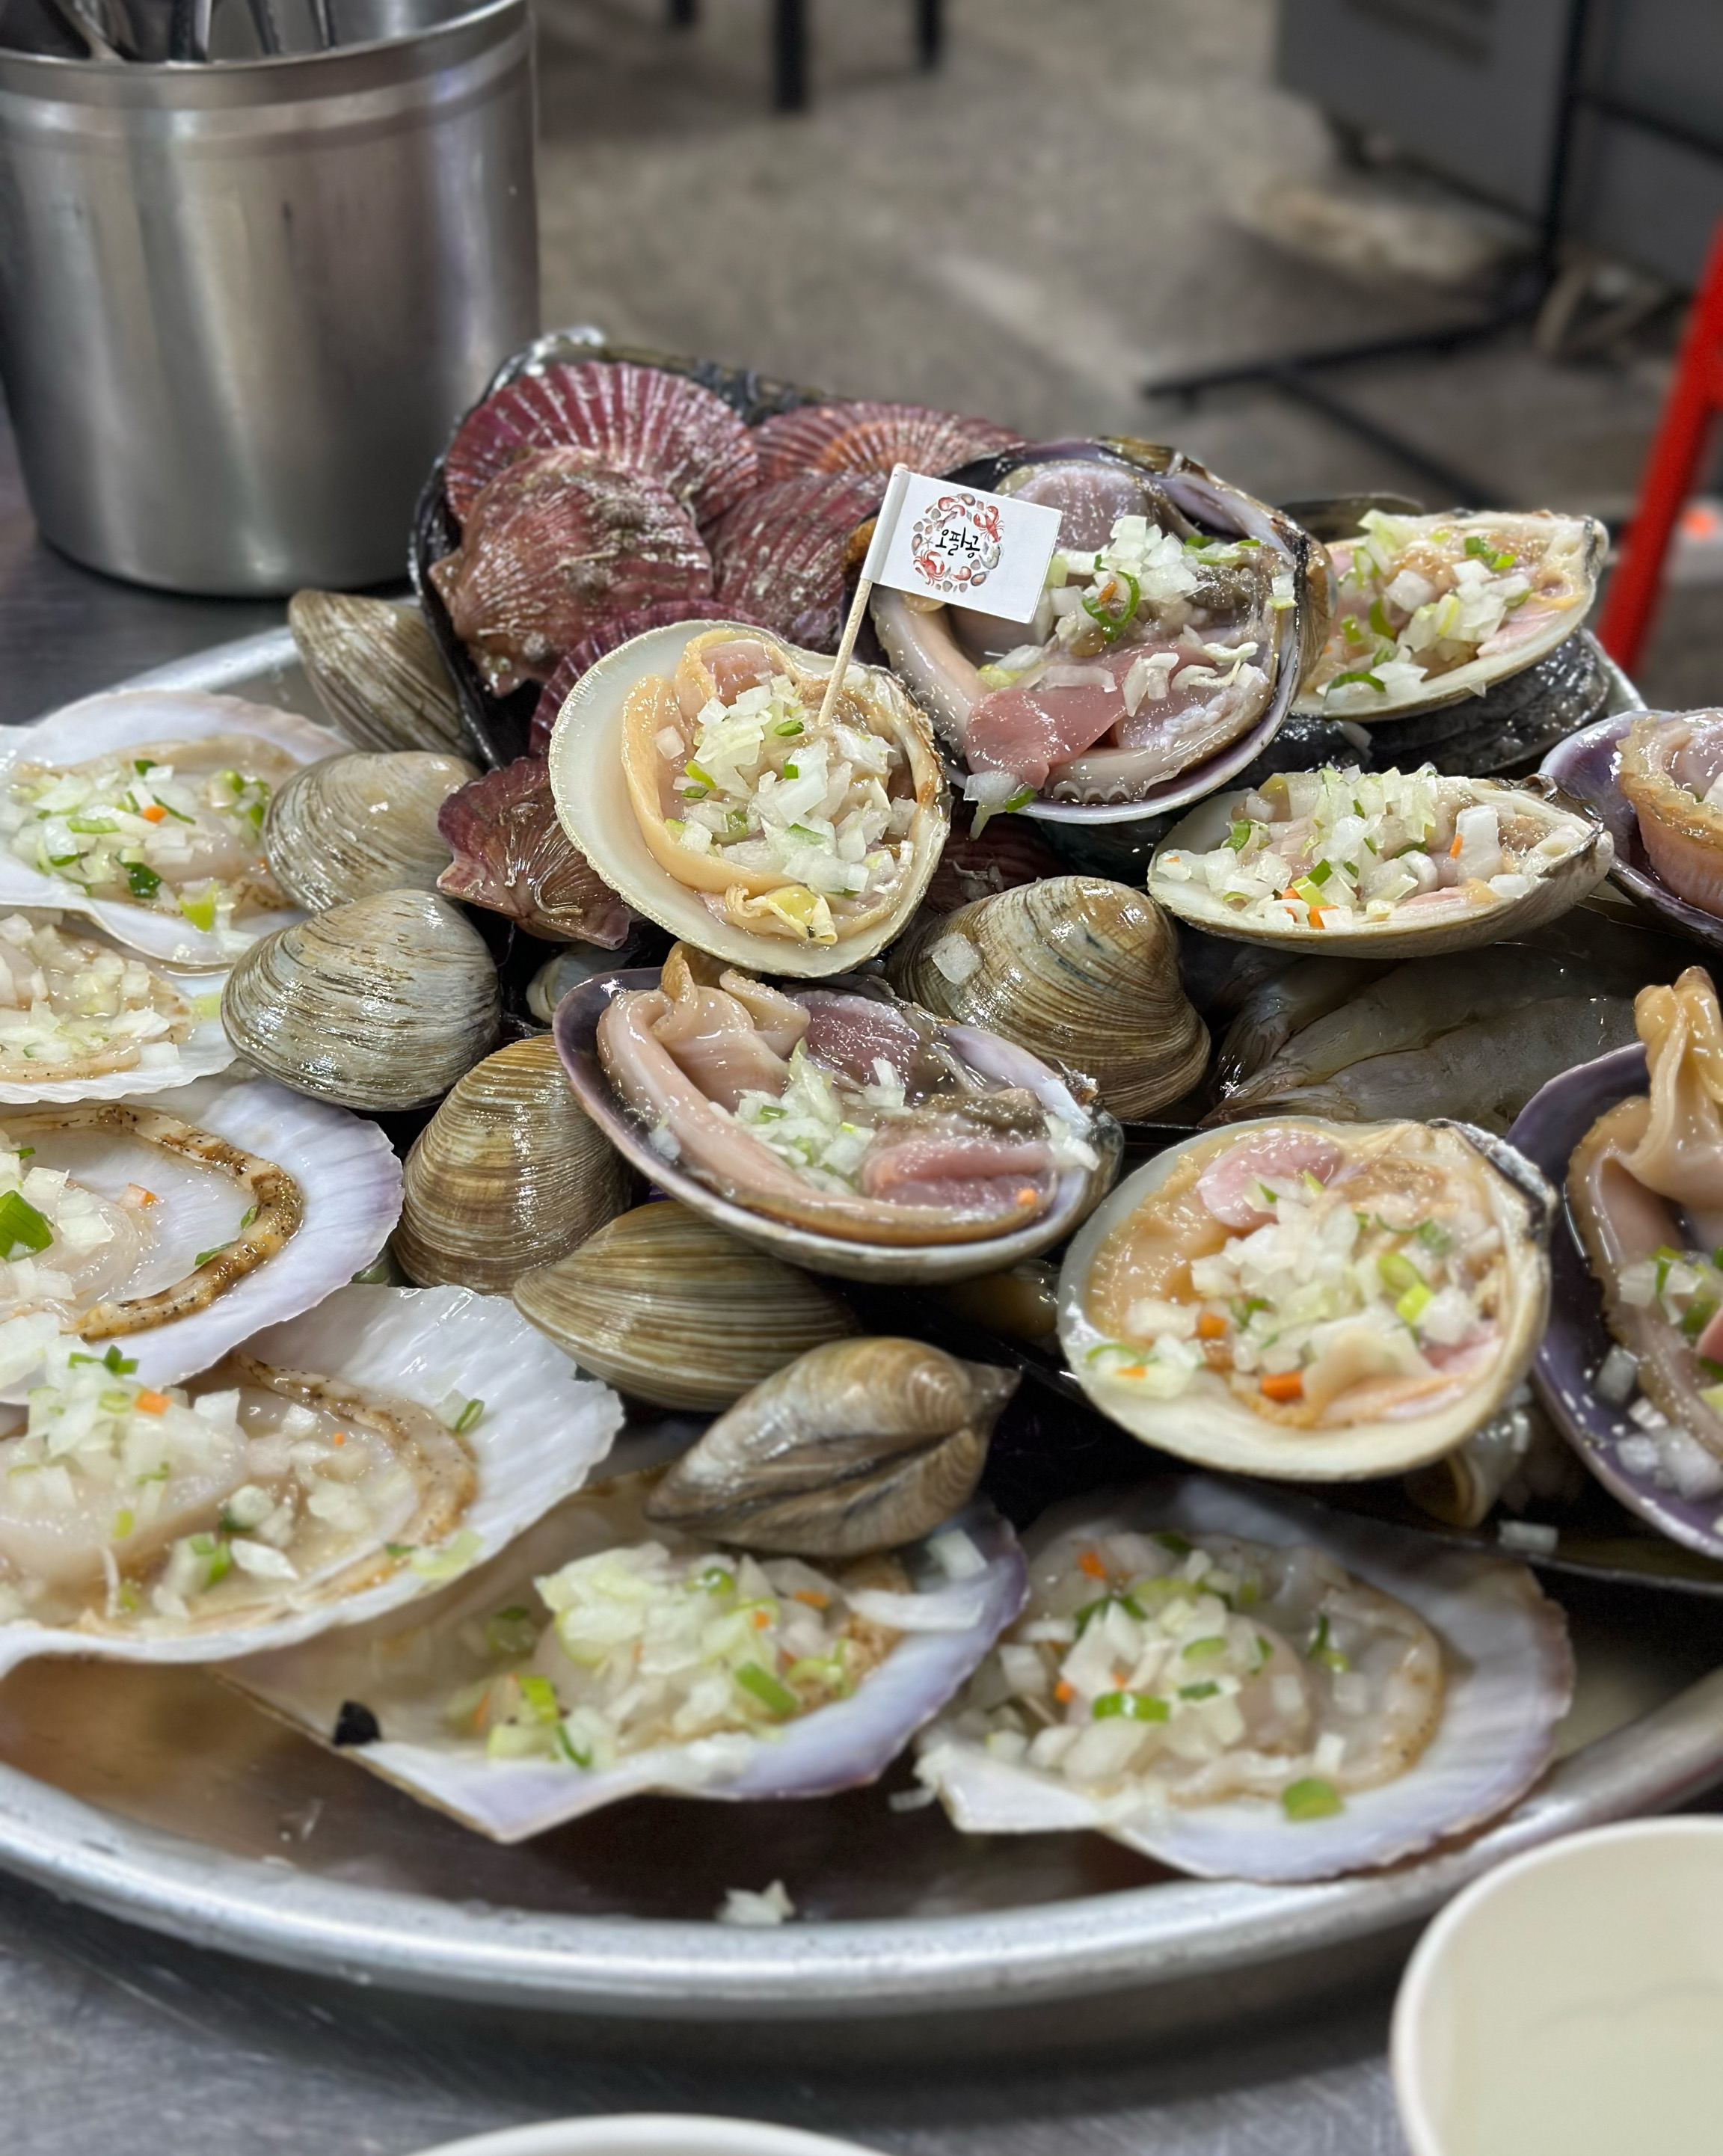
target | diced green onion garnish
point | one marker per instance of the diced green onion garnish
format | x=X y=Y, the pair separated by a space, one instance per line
x=142 y=878
x=21 y=1226
x=200 y=912
x=1411 y=1303
x=468 y=1418
x=1397 y=1273
x=1177 y=1545
x=1113 y=625
x=1199 y=1650
x=1021 y=799
x=1132 y=1706
x=787 y=728
x=775 y=1698
x=1090 y=1610
x=1359 y=674
x=124 y=1522
x=1434 y=1237
x=1310 y=1799
x=1206 y=1690
x=538 y=1696
x=1321 y=874
x=1379 y=620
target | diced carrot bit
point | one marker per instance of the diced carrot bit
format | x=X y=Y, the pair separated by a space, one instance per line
x=1028 y=1194
x=1211 y=1326
x=147 y=1402
x=812 y=1597
x=1282 y=1385
x=1091 y=1563
x=1063 y=1693
x=1453 y=850
x=340 y=1438
x=153 y=814
x=761 y=1620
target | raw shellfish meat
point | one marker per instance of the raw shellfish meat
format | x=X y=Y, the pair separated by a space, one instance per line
x=1432 y=609
x=871 y=439
x=1672 y=775
x=513 y=857
x=858 y=1446
x=641 y=419
x=551 y=546
x=180 y=873
x=695 y=773
x=1355 y=862
x=1301 y=1298
x=339 y=1465
x=500 y=1705
x=1246 y=1686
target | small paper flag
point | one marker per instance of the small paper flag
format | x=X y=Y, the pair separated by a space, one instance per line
x=962 y=546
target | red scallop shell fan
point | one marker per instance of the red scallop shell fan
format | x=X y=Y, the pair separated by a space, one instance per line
x=556 y=544
x=871 y=439
x=778 y=556
x=610 y=635
x=642 y=419
x=513 y=857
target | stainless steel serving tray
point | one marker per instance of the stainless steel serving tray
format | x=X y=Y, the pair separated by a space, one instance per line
x=162 y=1798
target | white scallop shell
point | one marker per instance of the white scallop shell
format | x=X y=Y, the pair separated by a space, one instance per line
x=1509 y=1679
x=1556 y=886
x=419 y=1344
x=838 y=1746
x=1213 y=1429
x=346 y=1167
x=206 y=1051
x=590 y=792
x=117 y=719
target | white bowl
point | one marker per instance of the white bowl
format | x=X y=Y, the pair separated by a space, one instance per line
x=649 y=2134
x=1571 y=2003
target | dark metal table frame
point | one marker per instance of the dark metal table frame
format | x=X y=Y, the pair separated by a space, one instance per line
x=790 y=43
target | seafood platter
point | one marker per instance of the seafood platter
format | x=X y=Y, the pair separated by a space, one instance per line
x=1015 y=1316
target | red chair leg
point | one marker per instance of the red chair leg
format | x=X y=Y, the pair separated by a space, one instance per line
x=1695 y=397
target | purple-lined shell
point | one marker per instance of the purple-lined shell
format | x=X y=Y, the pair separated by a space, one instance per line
x=1007 y=853
x=841 y=1746
x=1576 y=1340
x=1586 y=767
x=610 y=633
x=871 y=438
x=553 y=546
x=779 y=557
x=643 y=418
x=513 y=857
x=575 y=1029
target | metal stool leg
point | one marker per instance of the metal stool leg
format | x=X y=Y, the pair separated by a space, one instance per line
x=684 y=14
x=789 y=55
x=930 y=32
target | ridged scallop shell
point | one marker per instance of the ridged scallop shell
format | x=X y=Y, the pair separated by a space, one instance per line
x=861 y=1445
x=640 y=418
x=1079 y=970
x=1008 y=852
x=377 y=670
x=608 y=636
x=381 y=1004
x=359 y=824
x=667 y=1307
x=870 y=439
x=554 y=545
x=415 y=1345
x=512 y=856
x=779 y=556
x=507 y=1175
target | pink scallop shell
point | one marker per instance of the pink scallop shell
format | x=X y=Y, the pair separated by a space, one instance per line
x=512 y=857
x=642 y=419
x=1008 y=852
x=778 y=556
x=554 y=545
x=871 y=439
x=617 y=629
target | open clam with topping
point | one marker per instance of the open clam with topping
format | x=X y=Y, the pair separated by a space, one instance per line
x=330 y=1469
x=144 y=808
x=1353 y=862
x=693 y=769
x=181 y=1224
x=1180 y=618
x=1245 y=1686
x=836 y=1126
x=604 y=1655
x=1301 y=1298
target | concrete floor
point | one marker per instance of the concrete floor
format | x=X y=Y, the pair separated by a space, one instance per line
x=1055 y=217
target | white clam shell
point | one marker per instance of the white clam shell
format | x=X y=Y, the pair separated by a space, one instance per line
x=1556 y=886
x=1509 y=1679
x=418 y=1344
x=592 y=796
x=345 y=1167
x=838 y=1747
x=116 y=720
x=1205 y=1425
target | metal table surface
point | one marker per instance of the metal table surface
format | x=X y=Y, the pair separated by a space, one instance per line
x=112 y=2037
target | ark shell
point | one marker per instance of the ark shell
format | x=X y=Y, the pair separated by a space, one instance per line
x=1510 y=1672
x=843 y=1746
x=641 y=419
x=1561 y=884
x=121 y=719
x=870 y=439
x=611 y=634
x=1213 y=1430
x=348 y=1176
x=513 y=857
x=780 y=555
x=577 y=1029
x=553 y=545
x=1576 y=1339
x=419 y=1344
x=1586 y=767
